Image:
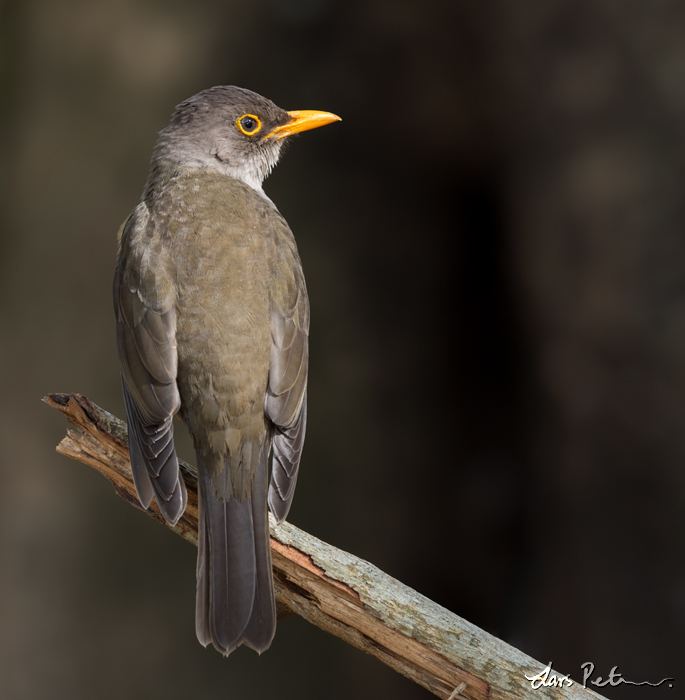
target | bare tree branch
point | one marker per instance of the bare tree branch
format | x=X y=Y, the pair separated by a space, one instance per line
x=338 y=592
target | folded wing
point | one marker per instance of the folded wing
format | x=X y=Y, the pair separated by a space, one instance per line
x=146 y=340
x=286 y=400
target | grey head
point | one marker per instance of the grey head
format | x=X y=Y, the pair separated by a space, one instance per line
x=230 y=130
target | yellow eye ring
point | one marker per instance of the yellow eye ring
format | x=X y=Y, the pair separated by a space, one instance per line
x=249 y=124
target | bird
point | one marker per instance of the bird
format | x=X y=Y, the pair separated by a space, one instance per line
x=212 y=321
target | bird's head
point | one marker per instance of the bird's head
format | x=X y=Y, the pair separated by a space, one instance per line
x=232 y=130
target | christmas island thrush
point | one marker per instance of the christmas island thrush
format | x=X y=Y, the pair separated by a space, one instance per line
x=212 y=323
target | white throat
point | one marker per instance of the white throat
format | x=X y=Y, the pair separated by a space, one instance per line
x=252 y=172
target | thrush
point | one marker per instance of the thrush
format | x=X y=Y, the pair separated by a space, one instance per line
x=212 y=323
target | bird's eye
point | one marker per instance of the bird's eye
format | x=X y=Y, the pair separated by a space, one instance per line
x=249 y=124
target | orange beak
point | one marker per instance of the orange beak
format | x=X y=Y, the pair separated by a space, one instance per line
x=303 y=120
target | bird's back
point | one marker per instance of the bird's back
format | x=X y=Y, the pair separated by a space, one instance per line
x=228 y=277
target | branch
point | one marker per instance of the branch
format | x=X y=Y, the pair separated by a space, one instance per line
x=336 y=591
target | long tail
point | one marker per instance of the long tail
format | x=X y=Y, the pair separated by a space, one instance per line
x=235 y=596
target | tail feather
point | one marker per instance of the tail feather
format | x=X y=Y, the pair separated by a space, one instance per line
x=202 y=628
x=235 y=599
x=261 y=627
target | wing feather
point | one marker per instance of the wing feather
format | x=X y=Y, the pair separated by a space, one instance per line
x=286 y=399
x=146 y=339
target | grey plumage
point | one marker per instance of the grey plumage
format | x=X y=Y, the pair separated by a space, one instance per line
x=212 y=323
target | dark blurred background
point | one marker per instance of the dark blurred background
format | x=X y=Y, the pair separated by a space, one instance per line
x=494 y=248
